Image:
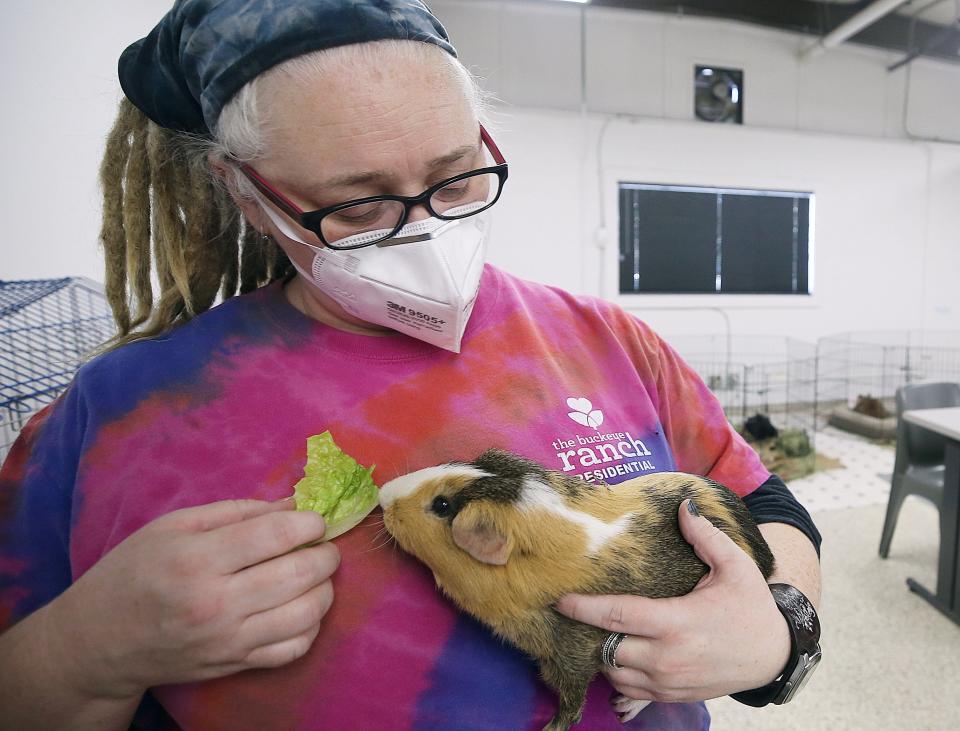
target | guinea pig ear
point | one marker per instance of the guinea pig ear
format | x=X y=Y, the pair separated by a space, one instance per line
x=477 y=533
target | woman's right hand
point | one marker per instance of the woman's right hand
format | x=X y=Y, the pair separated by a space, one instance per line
x=198 y=593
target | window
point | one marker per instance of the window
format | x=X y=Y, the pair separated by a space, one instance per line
x=698 y=240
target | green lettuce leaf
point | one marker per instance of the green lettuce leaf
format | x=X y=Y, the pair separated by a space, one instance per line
x=335 y=486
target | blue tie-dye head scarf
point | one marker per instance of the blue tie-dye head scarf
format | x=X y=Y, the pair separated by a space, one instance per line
x=203 y=51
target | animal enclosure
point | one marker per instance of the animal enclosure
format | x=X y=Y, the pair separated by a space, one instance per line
x=47 y=328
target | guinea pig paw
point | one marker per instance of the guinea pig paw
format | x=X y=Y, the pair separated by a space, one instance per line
x=627 y=708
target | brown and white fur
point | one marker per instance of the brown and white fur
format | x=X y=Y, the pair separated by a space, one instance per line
x=506 y=538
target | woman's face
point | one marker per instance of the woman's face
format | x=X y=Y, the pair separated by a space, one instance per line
x=371 y=131
x=374 y=129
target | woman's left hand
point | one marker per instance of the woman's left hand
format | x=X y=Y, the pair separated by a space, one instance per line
x=725 y=636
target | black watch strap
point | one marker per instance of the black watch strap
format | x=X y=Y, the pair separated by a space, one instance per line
x=804 y=649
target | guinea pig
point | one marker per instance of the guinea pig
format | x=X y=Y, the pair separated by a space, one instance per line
x=506 y=538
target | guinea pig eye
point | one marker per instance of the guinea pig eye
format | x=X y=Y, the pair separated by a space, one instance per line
x=441 y=506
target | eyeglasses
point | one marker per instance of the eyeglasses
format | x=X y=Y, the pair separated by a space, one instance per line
x=372 y=220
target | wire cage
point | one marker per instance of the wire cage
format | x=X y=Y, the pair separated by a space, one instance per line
x=877 y=363
x=770 y=375
x=799 y=384
x=47 y=329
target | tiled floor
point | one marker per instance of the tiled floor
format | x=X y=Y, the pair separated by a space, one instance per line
x=864 y=478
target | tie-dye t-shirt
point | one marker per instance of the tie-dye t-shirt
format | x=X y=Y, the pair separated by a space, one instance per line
x=222 y=407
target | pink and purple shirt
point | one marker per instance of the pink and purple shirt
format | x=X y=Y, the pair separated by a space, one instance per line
x=222 y=407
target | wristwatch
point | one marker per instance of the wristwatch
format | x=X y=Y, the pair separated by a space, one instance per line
x=804 y=649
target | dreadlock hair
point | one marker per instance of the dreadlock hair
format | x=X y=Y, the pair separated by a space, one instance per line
x=172 y=235
x=162 y=206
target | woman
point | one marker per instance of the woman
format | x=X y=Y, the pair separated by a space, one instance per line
x=146 y=544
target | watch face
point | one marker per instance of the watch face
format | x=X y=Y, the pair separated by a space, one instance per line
x=801 y=675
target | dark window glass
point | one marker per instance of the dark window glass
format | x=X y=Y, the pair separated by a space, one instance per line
x=668 y=242
x=803 y=245
x=677 y=239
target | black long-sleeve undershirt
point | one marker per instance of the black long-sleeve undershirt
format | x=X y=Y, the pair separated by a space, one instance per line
x=773 y=502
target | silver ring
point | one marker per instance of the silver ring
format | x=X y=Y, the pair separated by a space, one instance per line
x=608 y=653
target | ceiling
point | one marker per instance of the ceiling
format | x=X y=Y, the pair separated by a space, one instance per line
x=944 y=12
x=928 y=28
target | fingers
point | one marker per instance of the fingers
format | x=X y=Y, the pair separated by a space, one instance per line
x=628 y=695
x=632 y=615
x=633 y=657
x=302 y=616
x=625 y=677
x=658 y=670
x=714 y=547
x=663 y=695
x=638 y=686
x=626 y=707
x=280 y=580
x=281 y=653
x=225 y=512
x=634 y=654
x=237 y=546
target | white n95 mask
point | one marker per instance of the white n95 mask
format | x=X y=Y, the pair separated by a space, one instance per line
x=423 y=282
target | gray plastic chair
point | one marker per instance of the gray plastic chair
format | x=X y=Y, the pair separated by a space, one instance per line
x=918 y=469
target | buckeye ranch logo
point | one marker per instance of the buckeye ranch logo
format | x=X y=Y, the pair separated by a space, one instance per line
x=617 y=453
x=583 y=412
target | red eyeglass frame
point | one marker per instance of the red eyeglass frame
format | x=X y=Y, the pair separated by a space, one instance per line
x=311 y=220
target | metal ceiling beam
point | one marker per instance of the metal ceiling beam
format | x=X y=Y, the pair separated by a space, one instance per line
x=948 y=32
x=851 y=26
x=891 y=32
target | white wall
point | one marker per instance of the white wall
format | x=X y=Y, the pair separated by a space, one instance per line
x=576 y=119
x=887 y=250
x=58 y=82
